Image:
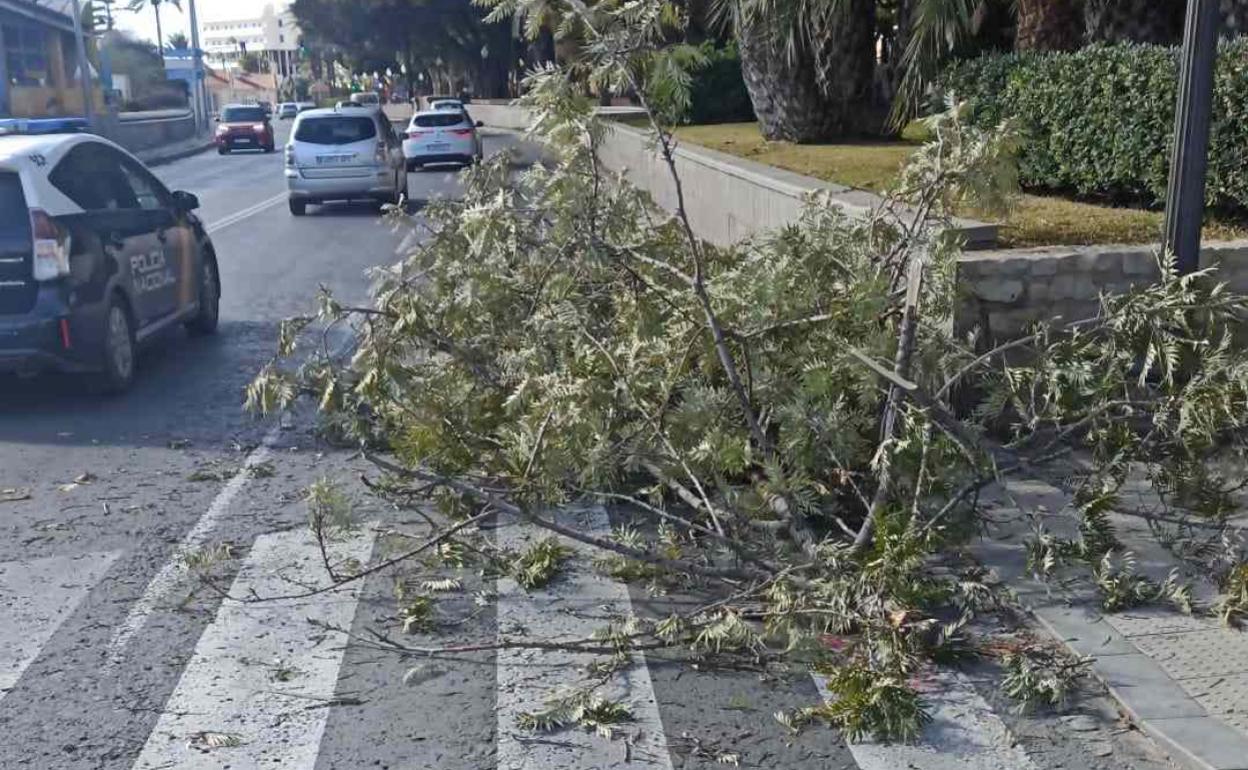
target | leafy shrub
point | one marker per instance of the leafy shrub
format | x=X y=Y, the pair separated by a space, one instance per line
x=1099 y=121
x=718 y=93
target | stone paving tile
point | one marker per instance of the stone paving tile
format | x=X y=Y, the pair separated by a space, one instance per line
x=1083 y=630
x=1217 y=652
x=1208 y=740
x=1185 y=678
x=1142 y=684
x=1157 y=620
x=1224 y=696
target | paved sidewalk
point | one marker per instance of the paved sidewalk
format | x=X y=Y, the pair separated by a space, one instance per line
x=1184 y=679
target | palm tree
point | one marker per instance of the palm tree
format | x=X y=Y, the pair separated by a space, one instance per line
x=1048 y=25
x=139 y=5
x=178 y=42
x=808 y=65
x=1136 y=21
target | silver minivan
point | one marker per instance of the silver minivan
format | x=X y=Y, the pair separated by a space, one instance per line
x=347 y=153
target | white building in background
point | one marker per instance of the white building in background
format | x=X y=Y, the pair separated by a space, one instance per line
x=272 y=35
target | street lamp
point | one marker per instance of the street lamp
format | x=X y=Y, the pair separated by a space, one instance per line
x=84 y=67
x=1185 y=194
x=197 y=74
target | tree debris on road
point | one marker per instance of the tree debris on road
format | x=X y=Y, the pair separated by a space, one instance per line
x=790 y=422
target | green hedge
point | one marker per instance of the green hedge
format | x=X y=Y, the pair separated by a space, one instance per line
x=1099 y=121
x=718 y=93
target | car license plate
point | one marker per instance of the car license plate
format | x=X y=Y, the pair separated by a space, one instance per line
x=439 y=147
x=333 y=160
x=242 y=140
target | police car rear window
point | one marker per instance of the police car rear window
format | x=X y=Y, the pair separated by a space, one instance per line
x=441 y=120
x=14 y=216
x=337 y=129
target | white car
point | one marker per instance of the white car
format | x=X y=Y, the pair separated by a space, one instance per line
x=438 y=105
x=442 y=136
x=347 y=153
x=366 y=99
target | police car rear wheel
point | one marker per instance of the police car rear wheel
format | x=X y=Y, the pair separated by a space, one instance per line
x=117 y=372
x=205 y=321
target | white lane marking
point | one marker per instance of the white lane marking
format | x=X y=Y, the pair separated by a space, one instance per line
x=172 y=572
x=238 y=216
x=262 y=672
x=576 y=605
x=36 y=597
x=965 y=734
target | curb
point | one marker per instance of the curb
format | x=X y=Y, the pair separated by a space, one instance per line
x=1198 y=741
x=1157 y=703
x=169 y=156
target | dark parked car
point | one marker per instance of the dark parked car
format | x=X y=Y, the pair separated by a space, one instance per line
x=96 y=257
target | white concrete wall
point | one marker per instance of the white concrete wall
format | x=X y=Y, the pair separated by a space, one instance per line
x=727 y=198
x=500 y=115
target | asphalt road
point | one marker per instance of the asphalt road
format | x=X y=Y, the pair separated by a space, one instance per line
x=112 y=657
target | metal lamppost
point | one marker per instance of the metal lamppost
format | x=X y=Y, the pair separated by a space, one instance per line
x=84 y=66
x=1185 y=194
x=197 y=74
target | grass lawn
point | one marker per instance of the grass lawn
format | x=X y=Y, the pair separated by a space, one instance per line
x=1036 y=221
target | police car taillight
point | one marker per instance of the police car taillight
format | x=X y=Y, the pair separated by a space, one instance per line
x=51 y=250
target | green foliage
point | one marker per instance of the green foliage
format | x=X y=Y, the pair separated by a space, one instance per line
x=1122 y=587
x=1099 y=120
x=717 y=91
x=623 y=568
x=416 y=614
x=540 y=563
x=1038 y=677
x=581 y=709
x=556 y=337
x=208 y=557
x=1232 y=606
x=867 y=703
x=726 y=631
x=329 y=509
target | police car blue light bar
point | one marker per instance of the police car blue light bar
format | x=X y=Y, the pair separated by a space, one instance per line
x=35 y=126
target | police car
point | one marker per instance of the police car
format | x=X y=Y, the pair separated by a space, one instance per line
x=96 y=255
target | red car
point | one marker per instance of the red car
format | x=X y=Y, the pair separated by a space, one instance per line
x=244 y=127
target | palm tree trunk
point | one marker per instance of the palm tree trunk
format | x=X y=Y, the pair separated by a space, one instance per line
x=1134 y=21
x=1234 y=17
x=820 y=89
x=786 y=95
x=845 y=64
x=1048 y=25
x=160 y=38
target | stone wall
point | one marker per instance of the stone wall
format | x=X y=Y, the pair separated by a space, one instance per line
x=1001 y=292
x=1004 y=293
x=144 y=131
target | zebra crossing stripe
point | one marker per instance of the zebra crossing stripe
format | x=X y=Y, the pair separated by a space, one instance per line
x=577 y=604
x=174 y=570
x=257 y=691
x=35 y=598
x=964 y=734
